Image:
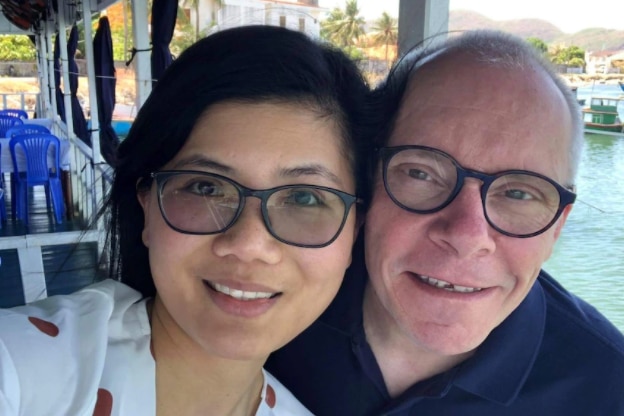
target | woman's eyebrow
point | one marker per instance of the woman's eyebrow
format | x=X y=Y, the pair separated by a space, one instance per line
x=201 y=161
x=311 y=170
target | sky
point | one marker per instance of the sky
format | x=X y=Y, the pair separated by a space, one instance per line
x=569 y=16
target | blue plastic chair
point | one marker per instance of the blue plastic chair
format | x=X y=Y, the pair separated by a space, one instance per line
x=35 y=147
x=12 y=132
x=26 y=129
x=14 y=112
x=6 y=122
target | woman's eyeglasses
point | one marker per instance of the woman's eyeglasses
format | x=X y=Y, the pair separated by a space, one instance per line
x=517 y=203
x=195 y=202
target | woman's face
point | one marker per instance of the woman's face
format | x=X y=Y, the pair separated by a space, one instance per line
x=206 y=283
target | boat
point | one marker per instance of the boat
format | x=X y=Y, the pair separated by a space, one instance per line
x=602 y=115
x=581 y=101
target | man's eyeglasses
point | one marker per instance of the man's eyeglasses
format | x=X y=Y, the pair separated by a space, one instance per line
x=517 y=203
x=206 y=203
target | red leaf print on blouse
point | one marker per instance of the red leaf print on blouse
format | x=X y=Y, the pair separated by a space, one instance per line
x=46 y=327
x=104 y=403
x=270 y=398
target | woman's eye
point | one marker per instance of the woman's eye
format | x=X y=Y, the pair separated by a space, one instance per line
x=304 y=198
x=204 y=188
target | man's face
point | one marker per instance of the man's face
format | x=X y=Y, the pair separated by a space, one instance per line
x=490 y=120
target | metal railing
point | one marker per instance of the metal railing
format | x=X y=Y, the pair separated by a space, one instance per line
x=28 y=101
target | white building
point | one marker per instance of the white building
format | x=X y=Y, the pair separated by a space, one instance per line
x=601 y=62
x=300 y=15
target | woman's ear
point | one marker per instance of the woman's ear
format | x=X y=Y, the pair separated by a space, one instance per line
x=359 y=223
x=144 y=197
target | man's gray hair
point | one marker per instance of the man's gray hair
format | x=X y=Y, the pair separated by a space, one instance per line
x=498 y=49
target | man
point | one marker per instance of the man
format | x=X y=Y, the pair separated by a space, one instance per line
x=452 y=314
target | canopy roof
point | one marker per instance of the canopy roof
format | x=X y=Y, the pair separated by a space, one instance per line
x=24 y=16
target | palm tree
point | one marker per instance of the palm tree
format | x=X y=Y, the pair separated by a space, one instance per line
x=344 y=27
x=385 y=32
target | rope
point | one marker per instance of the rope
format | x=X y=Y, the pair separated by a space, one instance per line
x=133 y=52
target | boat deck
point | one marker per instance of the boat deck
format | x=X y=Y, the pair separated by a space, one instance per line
x=67 y=267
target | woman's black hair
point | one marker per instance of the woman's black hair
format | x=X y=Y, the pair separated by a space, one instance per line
x=245 y=64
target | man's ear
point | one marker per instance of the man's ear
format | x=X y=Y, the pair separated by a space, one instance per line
x=562 y=220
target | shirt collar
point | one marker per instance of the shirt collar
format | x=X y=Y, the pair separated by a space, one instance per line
x=503 y=362
x=500 y=366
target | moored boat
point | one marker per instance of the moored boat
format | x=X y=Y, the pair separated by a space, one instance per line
x=602 y=115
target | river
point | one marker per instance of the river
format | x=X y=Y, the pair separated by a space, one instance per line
x=589 y=256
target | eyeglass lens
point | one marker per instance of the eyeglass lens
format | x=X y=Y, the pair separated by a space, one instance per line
x=202 y=203
x=424 y=180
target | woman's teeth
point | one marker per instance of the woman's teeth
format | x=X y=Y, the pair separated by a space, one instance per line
x=441 y=284
x=240 y=294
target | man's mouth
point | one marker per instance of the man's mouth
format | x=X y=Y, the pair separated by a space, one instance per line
x=240 y=294
x=441 y=284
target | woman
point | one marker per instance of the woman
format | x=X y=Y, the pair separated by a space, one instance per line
x=232 y=221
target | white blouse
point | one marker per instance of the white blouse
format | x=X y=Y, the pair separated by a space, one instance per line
x=88 y=353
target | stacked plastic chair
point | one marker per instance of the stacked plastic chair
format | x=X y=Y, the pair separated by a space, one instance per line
x=6 y=122
x=3 y=214
x=14 y=112
x=12 y=132
x=35 y=147
x=26 y=129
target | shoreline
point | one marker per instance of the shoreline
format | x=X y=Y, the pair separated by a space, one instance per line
x=585 y=80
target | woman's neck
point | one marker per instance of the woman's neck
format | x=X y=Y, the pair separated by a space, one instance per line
x=190 y=381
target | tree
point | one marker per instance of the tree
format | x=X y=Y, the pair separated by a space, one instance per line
x=538 y=44
x=344 y=27
x=571 y=56
x=385 y=32
x=16 y=48
x=195 y=5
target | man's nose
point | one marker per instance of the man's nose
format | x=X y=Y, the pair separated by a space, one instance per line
x=462 y=227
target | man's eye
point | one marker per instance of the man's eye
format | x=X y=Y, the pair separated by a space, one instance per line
x=518 y=194
x=418 y=174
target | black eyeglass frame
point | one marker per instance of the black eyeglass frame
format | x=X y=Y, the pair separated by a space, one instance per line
x=263 y=194
x=566 y=196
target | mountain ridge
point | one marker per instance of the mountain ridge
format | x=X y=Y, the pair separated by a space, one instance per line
x=590 y=39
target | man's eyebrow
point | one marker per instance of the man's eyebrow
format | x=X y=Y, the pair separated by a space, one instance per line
x=200 y=161
x=311 y=170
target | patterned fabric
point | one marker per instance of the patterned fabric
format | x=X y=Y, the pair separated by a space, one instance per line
x=88 y=353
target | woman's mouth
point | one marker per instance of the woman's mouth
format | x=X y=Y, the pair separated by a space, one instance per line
x=240 y=294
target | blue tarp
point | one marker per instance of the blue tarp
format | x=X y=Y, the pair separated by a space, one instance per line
x=164 y=13
x=105 y=83
x=60 y=104
x=80 y=123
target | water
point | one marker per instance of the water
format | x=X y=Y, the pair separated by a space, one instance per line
x=589 y=256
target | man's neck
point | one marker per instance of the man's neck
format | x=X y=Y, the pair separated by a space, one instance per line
x=403 y=362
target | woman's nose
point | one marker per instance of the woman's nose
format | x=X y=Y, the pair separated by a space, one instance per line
x=248 y=238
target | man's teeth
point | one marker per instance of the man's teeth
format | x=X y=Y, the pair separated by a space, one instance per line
x=441 y=284
x=241 y=294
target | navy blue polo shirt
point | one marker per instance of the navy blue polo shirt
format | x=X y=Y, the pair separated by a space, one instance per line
x=555 y=355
